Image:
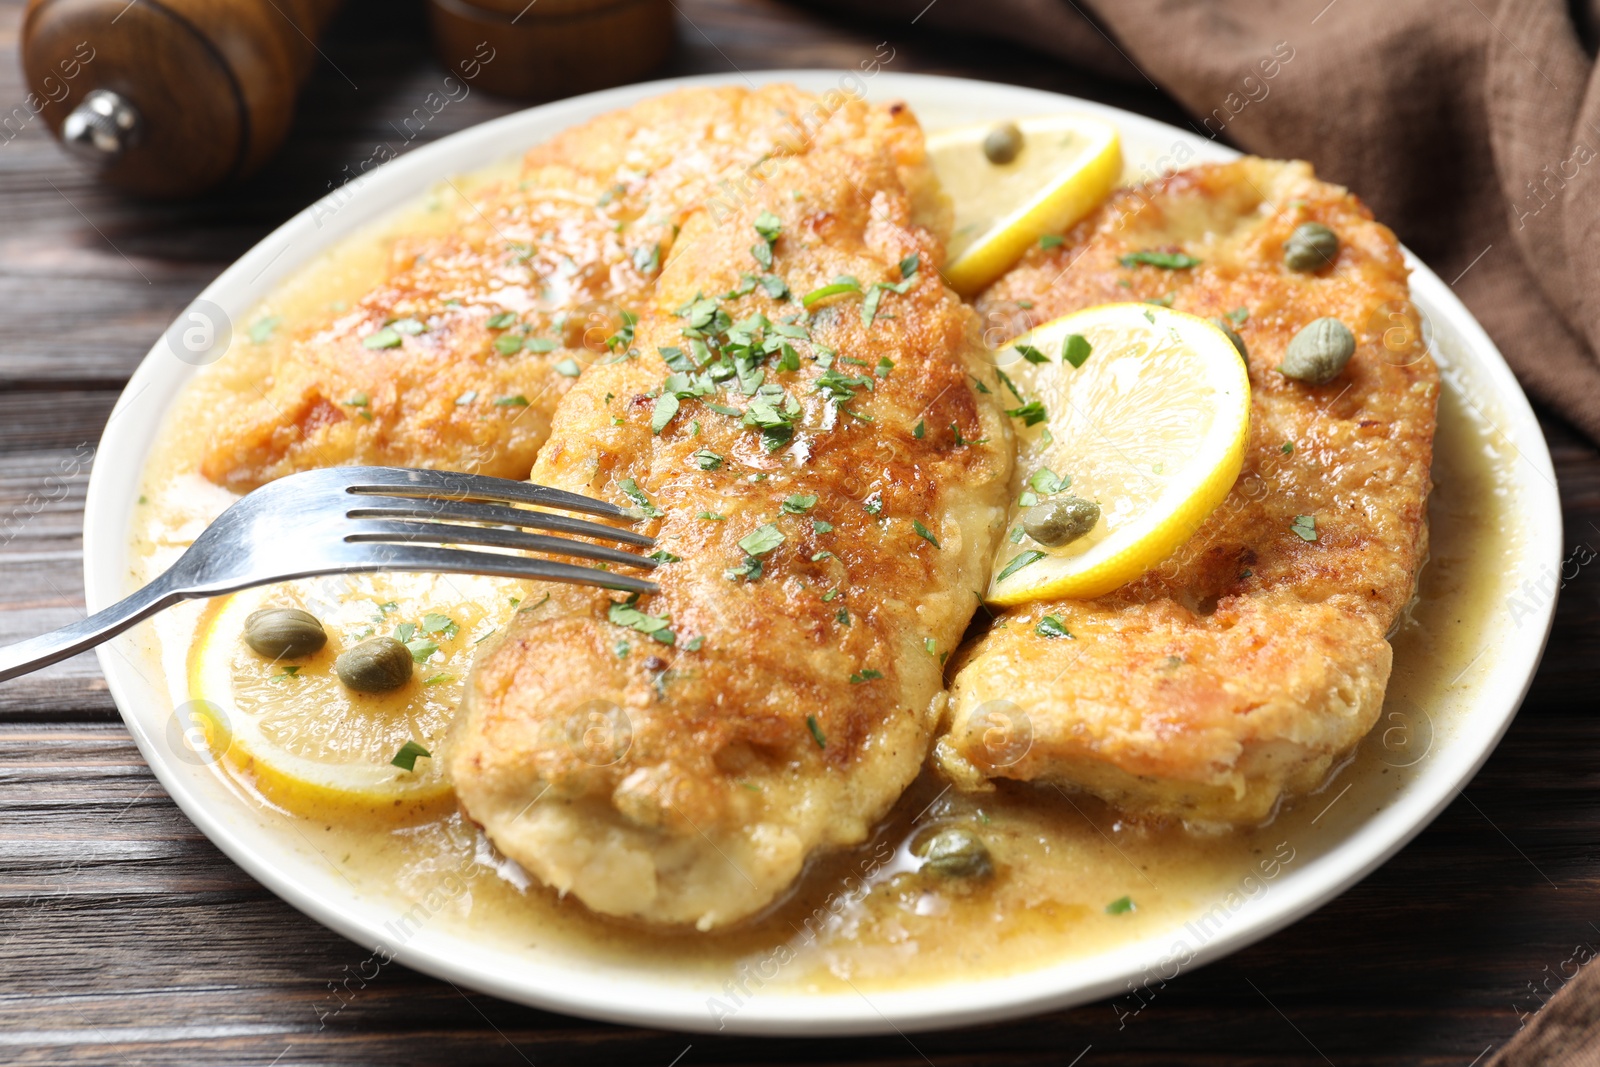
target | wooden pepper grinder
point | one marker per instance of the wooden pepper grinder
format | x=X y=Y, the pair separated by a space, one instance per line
x=170 y=97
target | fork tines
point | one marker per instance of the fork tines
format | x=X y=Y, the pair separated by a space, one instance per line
x=388 y=496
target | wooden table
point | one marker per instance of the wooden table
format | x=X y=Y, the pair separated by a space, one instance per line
x=126 y=938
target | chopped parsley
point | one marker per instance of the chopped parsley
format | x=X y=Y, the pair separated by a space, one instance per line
x=624 y=613
x=707 y=460
x=666 y=407
x=712 y=516
x=515 y=401
x=816 y=731
x=1075 y=349
x=919 y=429
x=922 y=532
x=761 y=540
x=1120 y=906
x=1030 y=413
x=1164 y=260
x=410 y=752
x=798 y=503
x=1019 y=561
x=1239 y=315
x=661 y=555
x=384 y=338
x=1031 y=354
x=501 y=321
x=434 y=623
x=874 y=503
x=1046 y=481
x=844 y=283
x=1052 y=626
x=867 y=675
x=631 y=489
x=1305 y=526
x=820 y=527
x=568 y=368
x=647 y=260
x=1051 y=240
x=1287 y=448
x=262 y=329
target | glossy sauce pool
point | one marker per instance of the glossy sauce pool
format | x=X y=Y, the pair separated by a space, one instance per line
x=1072 y=879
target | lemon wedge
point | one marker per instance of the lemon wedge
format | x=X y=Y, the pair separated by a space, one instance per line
x=1064 y=167
x=305 y=741
x=1141 y=411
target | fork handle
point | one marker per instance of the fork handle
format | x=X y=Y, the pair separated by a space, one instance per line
x=41 y=651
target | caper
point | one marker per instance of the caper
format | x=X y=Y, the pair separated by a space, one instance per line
x=1233 y=335
x=1061 y=521
x=1310 y=247
x=376 y=665
x=955 y=853
x=284 y=633
x=1319 y=352
x=1003 y=143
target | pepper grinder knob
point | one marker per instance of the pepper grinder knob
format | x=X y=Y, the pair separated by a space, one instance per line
x=102 y=127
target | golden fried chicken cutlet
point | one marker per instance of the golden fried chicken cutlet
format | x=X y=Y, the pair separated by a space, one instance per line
x=1241 y=669
x=829 y=488
x=458 y=358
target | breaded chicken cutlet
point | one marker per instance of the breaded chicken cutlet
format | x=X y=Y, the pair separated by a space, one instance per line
x=828 y=486
x=1243 y=668
x=458 y=359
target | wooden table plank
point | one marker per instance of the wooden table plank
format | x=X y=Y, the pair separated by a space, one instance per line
x=129 y=939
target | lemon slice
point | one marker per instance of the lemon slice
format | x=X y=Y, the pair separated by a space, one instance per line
x=305 y=741
x=1150 y=425
x=1066 y=166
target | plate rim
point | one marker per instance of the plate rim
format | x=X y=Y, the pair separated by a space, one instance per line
x=108 y=511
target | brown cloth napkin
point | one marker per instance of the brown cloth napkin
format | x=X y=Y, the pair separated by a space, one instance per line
x=1472 y=127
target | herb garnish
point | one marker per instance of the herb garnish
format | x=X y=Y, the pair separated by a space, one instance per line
x=410 y=752
x=1052 y=626
x=384 y=338
x=816 y=731
x=637 y=495
x=1075 y=349
x=1019 y=561
x=922 y=532
x=1164 y=260
x=1305 y=526
x=625 y=613
x=844 y=283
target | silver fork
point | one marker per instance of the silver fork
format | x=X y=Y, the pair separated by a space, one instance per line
x=345 y=520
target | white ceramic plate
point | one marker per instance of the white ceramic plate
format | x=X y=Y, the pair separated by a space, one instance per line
x=634 y=994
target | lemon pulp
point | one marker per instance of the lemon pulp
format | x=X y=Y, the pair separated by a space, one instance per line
x=1152 y=427
x=1066 y=166
x=303 y=739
